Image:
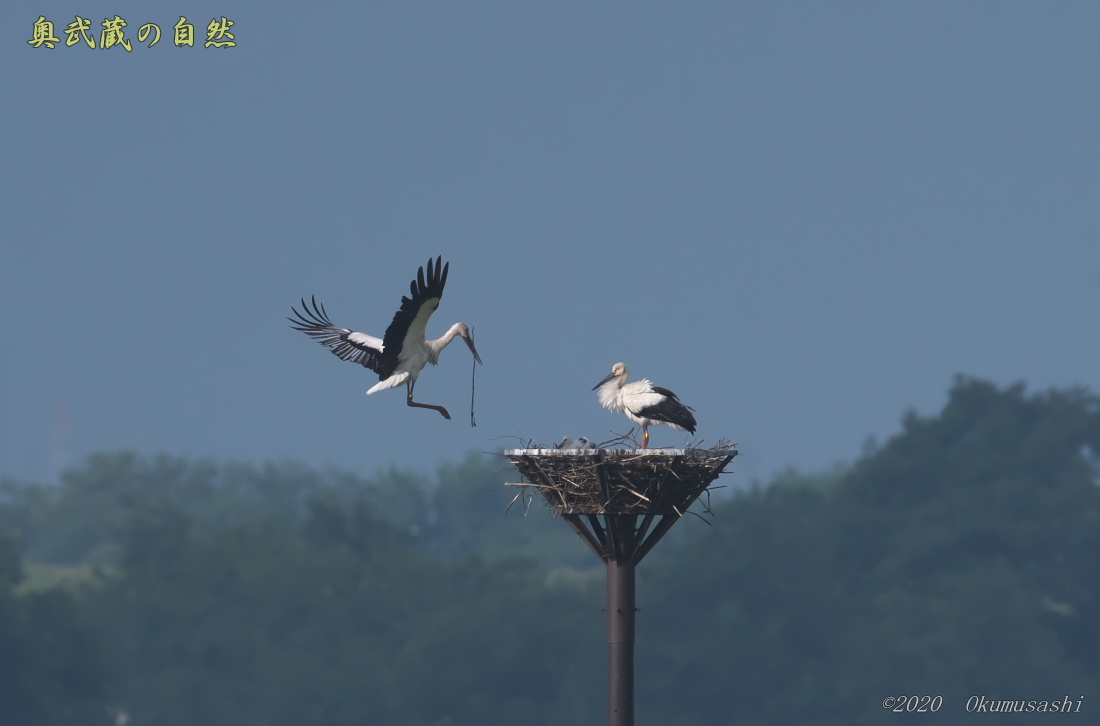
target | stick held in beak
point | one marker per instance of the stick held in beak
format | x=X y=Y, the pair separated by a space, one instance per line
x=470 y=342
x=473 y=376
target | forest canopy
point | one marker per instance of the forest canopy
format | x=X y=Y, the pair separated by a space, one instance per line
x=956 y=558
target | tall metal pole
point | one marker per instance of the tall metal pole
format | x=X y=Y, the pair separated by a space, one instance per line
x=670 y=486
x=621 y=531
x=620 y=643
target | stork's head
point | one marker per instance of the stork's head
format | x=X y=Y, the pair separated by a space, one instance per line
x=464 y=333
x=618 y=371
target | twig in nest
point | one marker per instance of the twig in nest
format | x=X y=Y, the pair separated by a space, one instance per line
x=622 y=439
x=700 y=517
x=525 y=499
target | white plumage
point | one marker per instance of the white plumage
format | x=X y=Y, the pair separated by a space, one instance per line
x=643 y=403
x=399 y=357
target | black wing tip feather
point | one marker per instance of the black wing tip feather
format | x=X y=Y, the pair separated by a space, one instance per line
x=314 y=318
x=437 y=277
x=431 y=283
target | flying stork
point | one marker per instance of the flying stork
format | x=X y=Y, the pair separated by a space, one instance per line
x=403 y=352
x=643 y=403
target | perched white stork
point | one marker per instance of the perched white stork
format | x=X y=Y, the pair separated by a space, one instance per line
x=403 y=352
x=644 y=403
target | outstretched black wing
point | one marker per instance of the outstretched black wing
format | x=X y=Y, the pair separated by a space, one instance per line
x=411 y=321
x=366 y=350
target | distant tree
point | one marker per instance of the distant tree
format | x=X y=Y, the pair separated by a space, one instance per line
x=956 y=558
x=51 y=669
x=338 y=619
x=471 y=512
x=509 y=646
x=460 y=511
x=20 y=503
x=952 y=560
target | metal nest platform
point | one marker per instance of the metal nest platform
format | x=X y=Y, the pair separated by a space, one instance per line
x=620 y=481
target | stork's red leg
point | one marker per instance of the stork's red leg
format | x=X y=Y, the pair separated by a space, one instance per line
x=414 y=404
x=645 y=437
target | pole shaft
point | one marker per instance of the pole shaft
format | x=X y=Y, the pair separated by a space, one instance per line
x=620 y=643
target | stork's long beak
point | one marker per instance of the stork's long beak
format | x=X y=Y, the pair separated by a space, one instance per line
x=605 y=380
x=470 y=342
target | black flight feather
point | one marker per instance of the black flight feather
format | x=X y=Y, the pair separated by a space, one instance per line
x=316 y=324
x=669 y=410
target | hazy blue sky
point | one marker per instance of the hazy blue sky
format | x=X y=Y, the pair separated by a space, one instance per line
x=803 y=217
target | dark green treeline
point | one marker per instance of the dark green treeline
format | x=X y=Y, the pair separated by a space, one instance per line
x=959 y=558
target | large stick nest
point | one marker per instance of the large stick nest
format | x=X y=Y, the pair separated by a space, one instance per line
x=620 y=481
